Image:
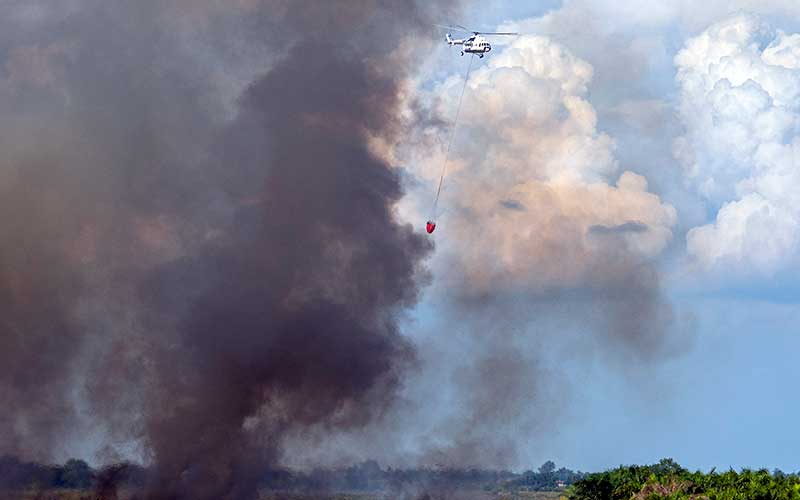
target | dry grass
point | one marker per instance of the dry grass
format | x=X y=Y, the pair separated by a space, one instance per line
x=451 y=495
x=533 y=495
x=56 y=495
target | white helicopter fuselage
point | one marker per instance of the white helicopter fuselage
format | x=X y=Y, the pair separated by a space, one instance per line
x=473 y=45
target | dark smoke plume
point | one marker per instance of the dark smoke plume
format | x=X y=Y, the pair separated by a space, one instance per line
x=197 y=284
x=199 y=254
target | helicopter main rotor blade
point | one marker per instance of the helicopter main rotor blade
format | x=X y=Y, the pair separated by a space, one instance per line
x=453 y=28
x=484 y=33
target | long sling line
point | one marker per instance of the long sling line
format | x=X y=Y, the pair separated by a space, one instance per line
x=452 y=136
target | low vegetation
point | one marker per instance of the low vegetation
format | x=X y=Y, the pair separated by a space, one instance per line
x=668 y=480
x=76 y=480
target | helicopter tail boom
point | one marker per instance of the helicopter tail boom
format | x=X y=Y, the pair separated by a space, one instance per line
x=451 y=41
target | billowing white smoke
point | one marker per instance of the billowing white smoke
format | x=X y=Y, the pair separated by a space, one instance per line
x=534 y=198
x=740 y=103
x=540 y=238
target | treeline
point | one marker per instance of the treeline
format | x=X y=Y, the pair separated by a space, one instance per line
x=370 y=477
x=668 y=480
x=547 y=478
x=367 y=476
x=664 y=480
x=74 y=474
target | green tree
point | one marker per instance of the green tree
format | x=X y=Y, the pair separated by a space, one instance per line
x=547 y=468
x=75 y=474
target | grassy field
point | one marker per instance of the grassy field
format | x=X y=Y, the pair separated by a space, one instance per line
x=57 y=495
x=433 y=495
x=539 y=495
x=45 y=495
x=449 y=495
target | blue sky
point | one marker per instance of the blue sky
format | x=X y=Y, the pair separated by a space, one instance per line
x=728 y=401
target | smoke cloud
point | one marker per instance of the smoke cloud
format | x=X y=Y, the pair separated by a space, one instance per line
x=193 y=284
x=543 y=242
x=206 y=258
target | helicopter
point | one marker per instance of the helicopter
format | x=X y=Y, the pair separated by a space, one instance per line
x=475 y=44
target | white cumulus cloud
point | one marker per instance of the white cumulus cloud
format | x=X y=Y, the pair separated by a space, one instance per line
x=739 y=84
x=535 y=197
